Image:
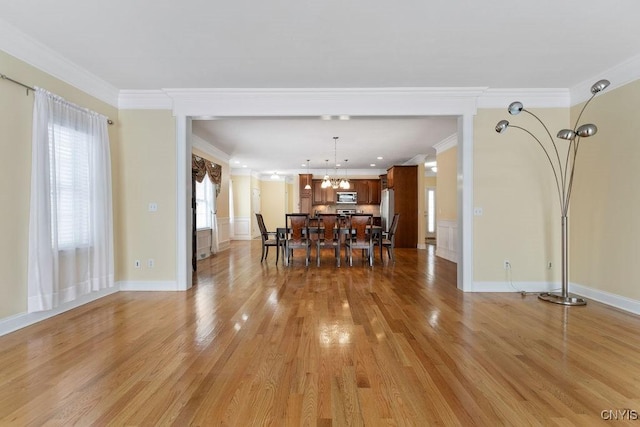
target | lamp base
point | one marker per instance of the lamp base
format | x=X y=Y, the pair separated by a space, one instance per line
x=557 y=298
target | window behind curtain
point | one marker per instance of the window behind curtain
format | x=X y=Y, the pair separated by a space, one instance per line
x=70 y=161
x=204 y=203
x=70 y=213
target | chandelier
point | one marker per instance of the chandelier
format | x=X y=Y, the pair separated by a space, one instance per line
x=335 y=182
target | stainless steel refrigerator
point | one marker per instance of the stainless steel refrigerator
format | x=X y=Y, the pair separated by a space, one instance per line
x=386 y=208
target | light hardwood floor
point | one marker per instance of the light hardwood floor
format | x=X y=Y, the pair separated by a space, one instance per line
x=259 y=344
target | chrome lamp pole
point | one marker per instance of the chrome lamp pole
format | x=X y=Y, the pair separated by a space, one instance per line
x=563 y=173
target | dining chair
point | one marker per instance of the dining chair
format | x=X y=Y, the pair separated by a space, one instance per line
x=359 y=237
x=328 y=236
x=388 y=239
x=269 y=238
x=297 y=235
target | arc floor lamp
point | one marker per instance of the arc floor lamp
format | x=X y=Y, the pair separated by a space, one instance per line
x=563 y=166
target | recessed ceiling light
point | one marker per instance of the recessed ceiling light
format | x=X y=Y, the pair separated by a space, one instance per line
x=325 y=117
x=237 y=162
x=344 y=117
x=244 y=166
x=372 y=164
x=379 y=157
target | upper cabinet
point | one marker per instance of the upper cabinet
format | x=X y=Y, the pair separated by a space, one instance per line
x=322 y=196
x=368 y=191
x=390 y=178
x=361 y=187
x=305 y=195
x=375 y=191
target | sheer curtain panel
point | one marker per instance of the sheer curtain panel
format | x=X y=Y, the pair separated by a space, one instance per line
x=70 y=222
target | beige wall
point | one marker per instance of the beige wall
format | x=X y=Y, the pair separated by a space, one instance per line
x=273 y=203
x=16 y=112
x=241 y=195
x=447 y=185
x=605 y=207
x=292 y=195
x=514 y=185
x=147 y=174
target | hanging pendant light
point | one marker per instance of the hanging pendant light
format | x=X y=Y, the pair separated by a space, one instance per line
x=326 y=182
x=334 y=182
x=308 y=186
x=344 y=182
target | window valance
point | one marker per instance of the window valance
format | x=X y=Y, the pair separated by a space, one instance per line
x=201 y=167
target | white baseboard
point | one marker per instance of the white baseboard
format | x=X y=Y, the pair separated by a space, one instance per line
x=22 y=320
x=422 y=246
x=447 y=254
x=514 y=287
x=614 y=300
x=148 y=286
x=242 y=238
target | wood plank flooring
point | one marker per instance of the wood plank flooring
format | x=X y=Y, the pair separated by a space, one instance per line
x=260 y=344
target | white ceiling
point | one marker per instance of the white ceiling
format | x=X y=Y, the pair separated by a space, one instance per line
x=151 y=44
x=283 y=145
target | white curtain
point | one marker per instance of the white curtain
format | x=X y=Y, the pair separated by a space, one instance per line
x=214 y=220
x=70 y=223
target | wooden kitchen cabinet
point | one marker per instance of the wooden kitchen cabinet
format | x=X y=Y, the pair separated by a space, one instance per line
x=374 y=192
x=361 y=187
x=322 y=196
x=305 y=195
x=390 y=178
x=368 y=191
x=405 y=191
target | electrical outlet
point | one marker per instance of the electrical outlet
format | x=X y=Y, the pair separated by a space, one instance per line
x=151 y=263
x=137 y=263
x=507 y=264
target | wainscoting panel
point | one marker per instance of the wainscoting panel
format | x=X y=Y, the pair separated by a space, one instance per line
x=224 y=231
x=242 y=228
x=447 y=240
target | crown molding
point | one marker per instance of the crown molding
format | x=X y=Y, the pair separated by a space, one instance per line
x=619 y=75
x=446 y=144
x=144 y=100
x=206 y=147
x=26 y=49
x=323 y=101
x=536 y=98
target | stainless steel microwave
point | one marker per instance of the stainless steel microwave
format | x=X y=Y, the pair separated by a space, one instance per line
x=345 y=197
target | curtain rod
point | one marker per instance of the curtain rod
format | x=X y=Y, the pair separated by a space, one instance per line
x=2 y=76
x=29 y=88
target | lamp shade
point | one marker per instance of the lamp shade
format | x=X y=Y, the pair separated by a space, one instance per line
x=587 y=130
x=567 y=134
x=502 y=126
x=515 y=108
x=599 y=86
